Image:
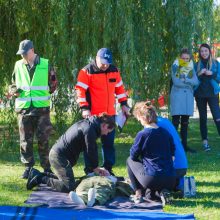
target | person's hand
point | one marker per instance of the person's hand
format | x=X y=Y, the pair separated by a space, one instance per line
x=10 y=95
x=203 y=71
x=13 y=91
x=126 y=110
x=208 y=73
x=86 y=113
x=101 y=171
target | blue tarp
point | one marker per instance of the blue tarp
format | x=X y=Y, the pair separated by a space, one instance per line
x=36 y=213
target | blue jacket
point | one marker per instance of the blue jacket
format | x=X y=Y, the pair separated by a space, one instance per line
x=214 y=80
x=180 y=161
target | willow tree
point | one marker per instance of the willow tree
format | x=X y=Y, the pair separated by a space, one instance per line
x=144 y=36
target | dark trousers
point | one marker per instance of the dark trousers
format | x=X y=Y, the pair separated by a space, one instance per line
x=108 y=152
x=213 y=103
x=140 y=180
x=29 y=126
x=64 y=180
x=183 y=120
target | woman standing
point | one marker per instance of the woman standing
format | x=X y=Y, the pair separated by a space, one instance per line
x=184 y=80
x=150 y=165
x=208 y=73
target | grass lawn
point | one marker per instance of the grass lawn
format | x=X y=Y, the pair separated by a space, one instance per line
x=204 y=166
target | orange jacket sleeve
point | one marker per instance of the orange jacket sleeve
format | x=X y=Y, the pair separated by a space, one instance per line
x=81 y=88
x=120 y=90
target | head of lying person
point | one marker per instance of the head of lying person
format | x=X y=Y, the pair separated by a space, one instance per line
x=145 y=113
x=107 y=124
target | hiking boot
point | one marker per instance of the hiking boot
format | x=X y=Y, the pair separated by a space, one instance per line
x=91 y=197
x=165 y=197
x=26 y=173
x=206 y=147
x=34 y=179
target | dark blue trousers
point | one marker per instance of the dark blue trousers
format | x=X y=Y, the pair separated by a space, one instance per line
x=108 y=152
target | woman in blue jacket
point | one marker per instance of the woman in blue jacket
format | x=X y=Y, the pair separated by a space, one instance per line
x=150 y=165
x=208 y=72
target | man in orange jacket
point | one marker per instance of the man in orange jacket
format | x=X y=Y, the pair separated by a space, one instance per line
x=97 y=86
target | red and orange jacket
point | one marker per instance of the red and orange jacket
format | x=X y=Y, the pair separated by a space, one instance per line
x=96 y=89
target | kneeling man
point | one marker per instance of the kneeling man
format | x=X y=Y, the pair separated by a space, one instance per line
x=80 y=137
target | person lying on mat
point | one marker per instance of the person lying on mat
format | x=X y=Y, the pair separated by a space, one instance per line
x=150 y=165
x=80 y=137
x=97 y=190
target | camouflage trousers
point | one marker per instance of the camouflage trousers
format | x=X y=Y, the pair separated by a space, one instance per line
x=30 y=125
x=105 y=189
x=65 y=181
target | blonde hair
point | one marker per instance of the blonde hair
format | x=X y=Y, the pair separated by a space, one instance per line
x=146 y=111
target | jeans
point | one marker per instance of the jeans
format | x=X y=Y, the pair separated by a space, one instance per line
x=108 y=152
x=184 y=121
x=213 y=103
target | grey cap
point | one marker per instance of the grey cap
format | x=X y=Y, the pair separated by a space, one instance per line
x=24 y=47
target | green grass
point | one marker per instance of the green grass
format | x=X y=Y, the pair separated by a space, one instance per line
x=204 y=166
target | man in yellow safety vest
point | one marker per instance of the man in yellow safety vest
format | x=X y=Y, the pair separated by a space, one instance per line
x=33 y=81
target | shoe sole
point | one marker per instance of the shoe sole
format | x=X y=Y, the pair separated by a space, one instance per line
x=30 y=182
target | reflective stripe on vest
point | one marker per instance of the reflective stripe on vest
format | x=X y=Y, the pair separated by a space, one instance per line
x=35 y=91
x=27 y=88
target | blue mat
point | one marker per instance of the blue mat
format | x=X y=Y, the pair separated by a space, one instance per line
x=46 y=197
x=26 y=213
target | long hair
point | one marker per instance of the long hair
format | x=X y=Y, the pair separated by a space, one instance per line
x=210 y=55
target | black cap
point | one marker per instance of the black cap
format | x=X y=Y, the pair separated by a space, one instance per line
x=24 y=47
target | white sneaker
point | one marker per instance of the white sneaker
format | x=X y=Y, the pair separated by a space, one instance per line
x=76 y=199
x=91 y=197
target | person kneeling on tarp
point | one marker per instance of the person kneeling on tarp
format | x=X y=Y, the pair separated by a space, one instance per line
x=80 y=137
x=150 y=165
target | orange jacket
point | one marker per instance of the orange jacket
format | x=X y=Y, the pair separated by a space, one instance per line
x=96 y=89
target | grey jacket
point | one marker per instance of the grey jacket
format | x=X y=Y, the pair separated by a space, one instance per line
x=181 y=96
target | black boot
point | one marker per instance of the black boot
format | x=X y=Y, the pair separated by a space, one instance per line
x=26 y=173
x=34 y=179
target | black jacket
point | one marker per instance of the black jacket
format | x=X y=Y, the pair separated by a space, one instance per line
x=80 y=137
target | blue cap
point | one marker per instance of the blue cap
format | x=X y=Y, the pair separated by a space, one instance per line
x=24 y=47
x=105 y=56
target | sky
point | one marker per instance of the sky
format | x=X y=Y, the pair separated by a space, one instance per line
x=217 y=2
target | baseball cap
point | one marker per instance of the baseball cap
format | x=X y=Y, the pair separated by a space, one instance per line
x=105 y=55
x=24 y=47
